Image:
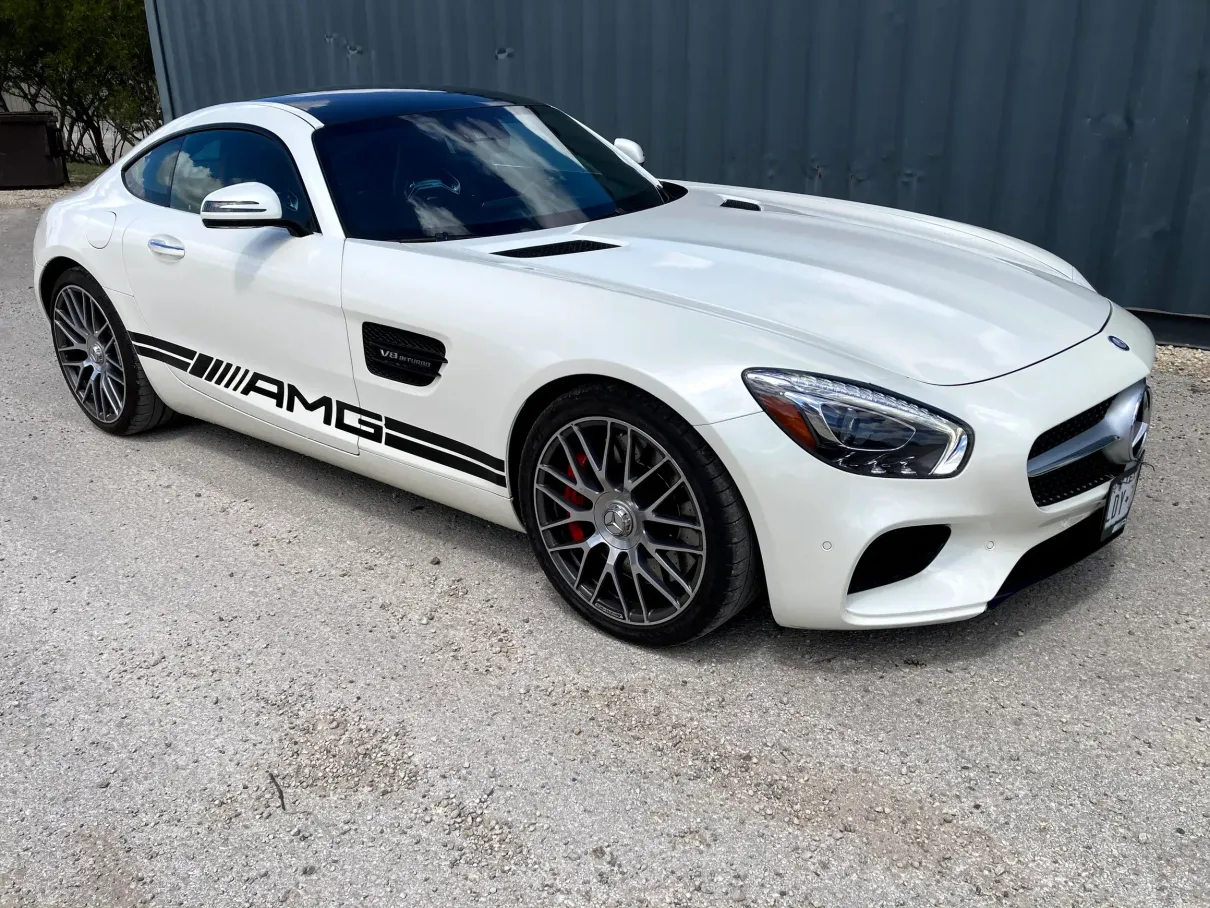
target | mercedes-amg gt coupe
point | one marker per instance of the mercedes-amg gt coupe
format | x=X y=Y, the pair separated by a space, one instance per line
x=689 y=396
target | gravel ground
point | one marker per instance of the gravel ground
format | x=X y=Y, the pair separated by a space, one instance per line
x=232 y=676
x=1184 y=361
x=33 y=198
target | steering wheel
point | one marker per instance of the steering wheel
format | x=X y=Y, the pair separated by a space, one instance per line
x=425 y=187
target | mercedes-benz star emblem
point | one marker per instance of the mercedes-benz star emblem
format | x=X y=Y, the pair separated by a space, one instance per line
x=618 y=520
x=1119 y=343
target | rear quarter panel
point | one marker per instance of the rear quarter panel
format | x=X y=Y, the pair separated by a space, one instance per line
x=84 y=228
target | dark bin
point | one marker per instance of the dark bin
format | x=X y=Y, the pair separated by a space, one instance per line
x=31 y=155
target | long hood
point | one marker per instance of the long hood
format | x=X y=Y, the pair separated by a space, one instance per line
x=924 y=298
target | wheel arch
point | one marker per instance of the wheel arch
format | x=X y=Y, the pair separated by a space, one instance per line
x=51 y=272
x=541 y=398
x=538 y=401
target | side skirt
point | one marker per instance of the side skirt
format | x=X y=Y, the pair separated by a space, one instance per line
x=461 y=496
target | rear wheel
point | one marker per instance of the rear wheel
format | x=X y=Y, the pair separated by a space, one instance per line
x=634 y=519
x=98 y=360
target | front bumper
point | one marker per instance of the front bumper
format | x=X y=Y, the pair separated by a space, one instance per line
x=814 y=522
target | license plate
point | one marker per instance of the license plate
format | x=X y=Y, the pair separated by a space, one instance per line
x=1119 y=500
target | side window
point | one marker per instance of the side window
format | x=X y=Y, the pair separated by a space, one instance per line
x=214 y=158
x=150 y=177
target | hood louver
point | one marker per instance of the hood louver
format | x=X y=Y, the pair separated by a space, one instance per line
x=569 y=247
x=742 y=204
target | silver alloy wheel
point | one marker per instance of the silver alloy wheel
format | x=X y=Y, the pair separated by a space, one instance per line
x=620 y=521
x=88 y=353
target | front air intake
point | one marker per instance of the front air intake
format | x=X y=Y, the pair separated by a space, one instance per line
x=897 y=555
x=742 y=204
x=570 y=247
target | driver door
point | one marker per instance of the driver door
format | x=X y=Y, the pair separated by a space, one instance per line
x=249 y=316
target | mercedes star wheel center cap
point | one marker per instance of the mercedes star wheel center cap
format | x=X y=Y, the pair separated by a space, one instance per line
x=618 y=519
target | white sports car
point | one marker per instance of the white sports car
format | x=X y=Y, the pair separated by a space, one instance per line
x=685 y=394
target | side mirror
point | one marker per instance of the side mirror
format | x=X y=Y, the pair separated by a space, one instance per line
x=247 y=205
x=631 y=149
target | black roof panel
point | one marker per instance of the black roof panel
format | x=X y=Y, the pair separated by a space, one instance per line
x=351 y=104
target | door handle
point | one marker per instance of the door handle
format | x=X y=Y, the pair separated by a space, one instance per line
x=168 y=247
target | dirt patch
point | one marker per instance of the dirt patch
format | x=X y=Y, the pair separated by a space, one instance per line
x=336 y=751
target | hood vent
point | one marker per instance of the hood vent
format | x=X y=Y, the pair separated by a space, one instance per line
x=570 y=247
x=742 y=204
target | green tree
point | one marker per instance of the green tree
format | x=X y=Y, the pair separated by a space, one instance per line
x=88 y=61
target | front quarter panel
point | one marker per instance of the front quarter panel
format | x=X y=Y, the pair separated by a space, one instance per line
x=509 y=331
x=813 y=522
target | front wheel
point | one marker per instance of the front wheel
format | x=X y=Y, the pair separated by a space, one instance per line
x=634 y=519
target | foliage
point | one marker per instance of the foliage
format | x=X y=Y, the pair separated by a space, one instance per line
x=81 y=173
x=88 y=61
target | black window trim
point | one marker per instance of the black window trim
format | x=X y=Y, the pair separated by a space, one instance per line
x=312 y=224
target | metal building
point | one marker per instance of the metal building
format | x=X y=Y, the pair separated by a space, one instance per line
x=1073 y=124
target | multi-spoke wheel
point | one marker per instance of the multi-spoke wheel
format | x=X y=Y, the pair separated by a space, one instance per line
x=88 y=352
x=634 y=519
x=98 y=360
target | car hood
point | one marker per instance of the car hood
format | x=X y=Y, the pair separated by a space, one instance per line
x=928 y=299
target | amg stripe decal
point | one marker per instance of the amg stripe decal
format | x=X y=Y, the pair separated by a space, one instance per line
x=345 y=417
x=177 y=349
x=151 y=353
x=399 y=443
x=200 y=365
x=432 y=438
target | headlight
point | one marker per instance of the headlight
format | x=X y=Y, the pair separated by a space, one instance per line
x=862 y=430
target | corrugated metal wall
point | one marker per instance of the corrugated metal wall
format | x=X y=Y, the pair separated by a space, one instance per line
x=1073 y=124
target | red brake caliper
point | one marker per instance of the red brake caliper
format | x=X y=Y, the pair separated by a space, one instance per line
x=575 y=498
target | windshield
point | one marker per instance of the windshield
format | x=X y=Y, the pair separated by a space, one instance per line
x=478 y=172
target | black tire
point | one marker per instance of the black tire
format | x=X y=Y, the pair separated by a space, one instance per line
x=141 y=407
x=731 y=575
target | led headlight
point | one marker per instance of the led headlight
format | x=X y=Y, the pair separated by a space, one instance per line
x=862 y=430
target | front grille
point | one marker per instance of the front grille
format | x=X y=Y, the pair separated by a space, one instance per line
x=1065 y=431
x=897 y=555
x=1074 y=478
x=1069 y=481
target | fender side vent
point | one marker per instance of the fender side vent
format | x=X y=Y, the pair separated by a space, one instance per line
x=401 y=356
x=570 y=247
x=742 y=204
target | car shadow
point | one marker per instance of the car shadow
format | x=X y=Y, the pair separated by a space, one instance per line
x=754 y=634
x=342 y=487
